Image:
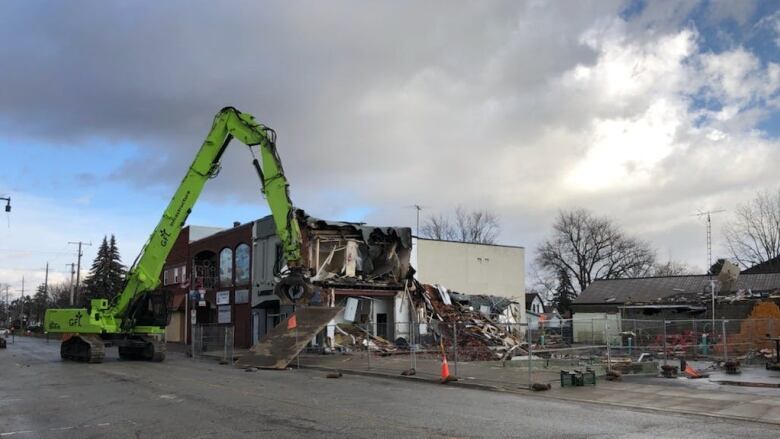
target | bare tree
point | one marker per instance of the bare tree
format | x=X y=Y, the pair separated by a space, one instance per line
x=753 y=236
x=477 y=226
x=587 y=247
x=671 y=268
x=438 y=227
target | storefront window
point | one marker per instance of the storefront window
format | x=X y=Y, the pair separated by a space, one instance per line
x=242 y=264
x=226 y=267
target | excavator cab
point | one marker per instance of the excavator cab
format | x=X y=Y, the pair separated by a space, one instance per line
x=151 y=309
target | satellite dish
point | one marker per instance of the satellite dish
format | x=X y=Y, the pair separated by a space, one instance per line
x=728 y=276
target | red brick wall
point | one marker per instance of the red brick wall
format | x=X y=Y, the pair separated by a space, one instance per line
x=240 y=314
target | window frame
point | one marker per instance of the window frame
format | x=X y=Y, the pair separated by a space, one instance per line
x=226 y=282
x=248 y=270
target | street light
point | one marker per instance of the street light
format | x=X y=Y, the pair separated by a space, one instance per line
x=7 y=203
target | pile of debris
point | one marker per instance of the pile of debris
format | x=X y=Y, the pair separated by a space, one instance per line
x=478 y=338
x=352 y=336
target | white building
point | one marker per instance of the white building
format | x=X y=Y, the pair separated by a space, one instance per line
x=496 y=270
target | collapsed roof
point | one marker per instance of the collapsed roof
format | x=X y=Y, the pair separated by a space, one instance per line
x=356 y=255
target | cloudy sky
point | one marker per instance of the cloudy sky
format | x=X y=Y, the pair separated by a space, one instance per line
x=643 y=111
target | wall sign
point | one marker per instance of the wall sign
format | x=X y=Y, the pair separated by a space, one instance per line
x=242 y=296
x=223 y=314
x=223 y=297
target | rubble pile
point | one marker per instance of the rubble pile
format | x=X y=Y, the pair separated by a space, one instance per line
x=478 y=338
x=351 y=335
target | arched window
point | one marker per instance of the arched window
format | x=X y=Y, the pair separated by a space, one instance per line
x=242 y=264
x=225 y=267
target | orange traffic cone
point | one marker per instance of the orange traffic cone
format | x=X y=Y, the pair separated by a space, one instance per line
x=691 y=372
x=445 y=372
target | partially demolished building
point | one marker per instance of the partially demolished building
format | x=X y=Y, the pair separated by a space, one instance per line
x=367 y=263
x=362 y=271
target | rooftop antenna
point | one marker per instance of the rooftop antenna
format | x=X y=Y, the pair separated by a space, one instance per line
x=707 y=215
x=418 y=208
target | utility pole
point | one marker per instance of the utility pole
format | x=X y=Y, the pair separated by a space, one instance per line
x=78 y=268
x=46 y=284
x=7 y=307
x=21 y=303
x=72 y=272
x=418 y=208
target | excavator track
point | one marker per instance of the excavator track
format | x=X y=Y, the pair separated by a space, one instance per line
x=83 y=348
x=144 y=348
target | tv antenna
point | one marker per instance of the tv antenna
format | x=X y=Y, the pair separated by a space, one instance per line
x=707 y=215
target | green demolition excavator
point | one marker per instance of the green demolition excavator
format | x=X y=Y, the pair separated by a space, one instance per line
x=135 y=319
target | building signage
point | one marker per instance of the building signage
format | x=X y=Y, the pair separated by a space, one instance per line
x=242 y=296
x=223 y=297
x=223 y=314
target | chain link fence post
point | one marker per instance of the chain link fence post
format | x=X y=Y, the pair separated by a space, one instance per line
x=606 y=338
x=368 y=348
x=413 y=345
x=664 y=343
x=725 y=346
x=530 y=355
x=455 y=345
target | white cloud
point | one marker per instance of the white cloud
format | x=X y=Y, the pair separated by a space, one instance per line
x=521 y=107
x=40 y=229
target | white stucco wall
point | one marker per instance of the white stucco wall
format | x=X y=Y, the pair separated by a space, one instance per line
x=471 y=268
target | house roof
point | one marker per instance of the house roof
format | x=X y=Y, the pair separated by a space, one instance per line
x=650 y=289
x=529 y=298
x=770 y=266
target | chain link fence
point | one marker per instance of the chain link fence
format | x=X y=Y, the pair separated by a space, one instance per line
x=520 y=354
x=213 y=341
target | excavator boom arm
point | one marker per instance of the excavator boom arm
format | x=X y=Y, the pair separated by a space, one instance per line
x=144 y=275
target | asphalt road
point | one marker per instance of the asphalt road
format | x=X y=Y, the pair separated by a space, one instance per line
x=41 y=396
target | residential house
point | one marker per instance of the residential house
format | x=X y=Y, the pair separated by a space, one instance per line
x=534 y=303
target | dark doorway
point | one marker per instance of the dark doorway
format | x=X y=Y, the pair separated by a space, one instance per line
x=381 y=325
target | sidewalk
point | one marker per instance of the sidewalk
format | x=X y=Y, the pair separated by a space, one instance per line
x=763 y=407
x=684 y=400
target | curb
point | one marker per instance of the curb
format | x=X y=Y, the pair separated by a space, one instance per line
x=458 y=383
x=522 y=391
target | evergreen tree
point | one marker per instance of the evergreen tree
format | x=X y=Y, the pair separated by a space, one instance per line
x=40 y=302
x=564 y=294
x=117 y=271
x=107 y=274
